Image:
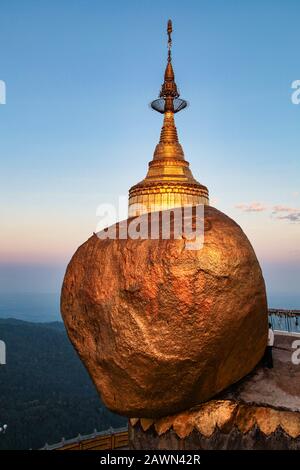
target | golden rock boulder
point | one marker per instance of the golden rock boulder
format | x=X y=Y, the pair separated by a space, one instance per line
x=161 y=328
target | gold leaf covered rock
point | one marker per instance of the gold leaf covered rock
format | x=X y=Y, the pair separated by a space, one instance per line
x=161 y=328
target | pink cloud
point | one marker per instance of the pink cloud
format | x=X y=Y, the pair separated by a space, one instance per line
x=286 y=213
x=252 y=207
x=278 y=212
x=279 y=208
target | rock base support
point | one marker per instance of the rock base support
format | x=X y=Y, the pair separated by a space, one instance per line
x=219 y=424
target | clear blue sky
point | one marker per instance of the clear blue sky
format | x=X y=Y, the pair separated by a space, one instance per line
x=77 y=131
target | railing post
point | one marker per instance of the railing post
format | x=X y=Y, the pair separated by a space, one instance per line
x=112 y=440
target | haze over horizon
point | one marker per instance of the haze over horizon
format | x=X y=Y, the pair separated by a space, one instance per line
x=76 y=130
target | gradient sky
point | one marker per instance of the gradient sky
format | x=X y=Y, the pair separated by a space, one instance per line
x=77 y=131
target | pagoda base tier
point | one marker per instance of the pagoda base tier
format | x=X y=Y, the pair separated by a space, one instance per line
x=219 y=424
x=158 y=197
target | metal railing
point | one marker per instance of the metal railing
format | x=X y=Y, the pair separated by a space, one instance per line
x=285 y=320
x=103 y=440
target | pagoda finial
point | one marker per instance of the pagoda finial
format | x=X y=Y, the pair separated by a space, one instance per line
x=169 y=95
x=169 y=31
x=169 y=181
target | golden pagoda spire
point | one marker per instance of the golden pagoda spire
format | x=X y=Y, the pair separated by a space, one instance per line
x=169 y=182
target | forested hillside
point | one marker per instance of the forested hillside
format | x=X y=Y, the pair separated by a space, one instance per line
x=45 y=392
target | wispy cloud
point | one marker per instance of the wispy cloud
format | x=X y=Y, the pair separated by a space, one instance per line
x=279 y=212
x=252 y=207
x=277 y=209
x=295 y=217
x=286 y=213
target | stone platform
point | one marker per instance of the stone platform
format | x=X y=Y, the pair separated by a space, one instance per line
x=278 y=387
x=262 y=411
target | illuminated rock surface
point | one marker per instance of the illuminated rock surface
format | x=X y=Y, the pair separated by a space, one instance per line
x=162 y=328
x=262 y=411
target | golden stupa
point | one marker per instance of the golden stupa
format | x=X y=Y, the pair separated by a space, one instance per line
x=169 y=182
x=160 y=327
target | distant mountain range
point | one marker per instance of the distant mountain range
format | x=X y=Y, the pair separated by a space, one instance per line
x=39 y=307
x=35 y=307
x=45 y=392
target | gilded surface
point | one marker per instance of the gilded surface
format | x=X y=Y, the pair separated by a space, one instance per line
x=162 y=328
x=224 y=416
x=168 y=173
